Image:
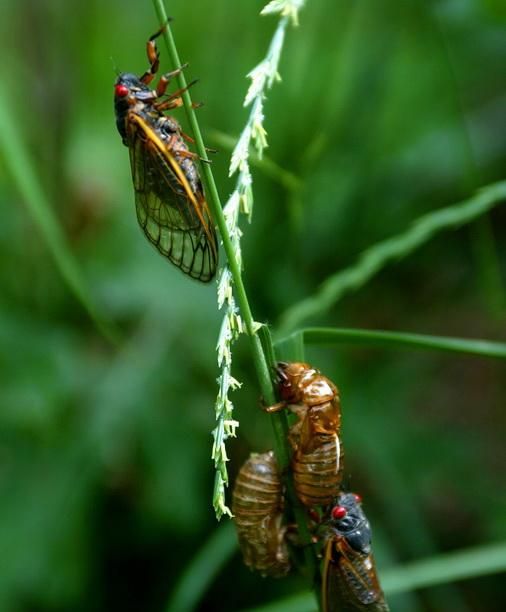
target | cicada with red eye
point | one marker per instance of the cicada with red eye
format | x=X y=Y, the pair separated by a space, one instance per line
x=349 y=579
x=171 y=208
x=257 y=506
x=317 y=462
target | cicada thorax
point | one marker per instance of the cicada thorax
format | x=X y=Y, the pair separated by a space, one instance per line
x=317 y=461
x=349 y=578
x=299 y=382
x=257 y=506
x=171 y=189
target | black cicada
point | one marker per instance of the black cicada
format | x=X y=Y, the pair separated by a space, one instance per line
x=349 y=581
x=171 y=207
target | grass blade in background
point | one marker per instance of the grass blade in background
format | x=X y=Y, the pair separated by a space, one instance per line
x=22 y=171
x=334 y=336
x=199 y=574
x=449 y=567
x=379 y=255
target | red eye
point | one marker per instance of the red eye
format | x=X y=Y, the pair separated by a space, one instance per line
x=358 y=499
x=121 y=90
x=339 y=512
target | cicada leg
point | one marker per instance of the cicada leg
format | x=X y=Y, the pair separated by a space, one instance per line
x=166 y=78
x=274 y=408
x=192 y=140
x=153 y=56
x=174 y=100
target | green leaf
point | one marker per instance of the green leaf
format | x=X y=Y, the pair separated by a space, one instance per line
x=376 y=257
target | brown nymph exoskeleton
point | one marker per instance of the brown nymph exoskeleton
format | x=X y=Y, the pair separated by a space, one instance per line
x=317 y=462
x=257 y=506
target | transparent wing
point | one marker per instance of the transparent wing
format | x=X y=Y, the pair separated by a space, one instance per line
x=174 y=218
x=350 y=582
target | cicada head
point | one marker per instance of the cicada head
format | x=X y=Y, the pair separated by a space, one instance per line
x=347 y=519
x=289 y=376
x=128 y=90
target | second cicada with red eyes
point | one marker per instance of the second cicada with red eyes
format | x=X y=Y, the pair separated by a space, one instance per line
x=171 y=207
x=349 y=579
x=317 y=462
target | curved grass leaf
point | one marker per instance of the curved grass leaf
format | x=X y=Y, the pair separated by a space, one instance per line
x=333 y=336
x=379 y=255
x=441 y=569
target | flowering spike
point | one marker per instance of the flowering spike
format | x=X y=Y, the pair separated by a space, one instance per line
x=262 y=77
x=240 y=153
x=259 y=75
x=287 y=8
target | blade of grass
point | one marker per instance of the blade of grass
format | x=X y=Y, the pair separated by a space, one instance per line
x=448 y=567
x=22 y=170
x=379 y=255
x=303 y=602
x=260 y=360
x=291 y=348
x=200 y=572
x=333 y=336
x=470 y=563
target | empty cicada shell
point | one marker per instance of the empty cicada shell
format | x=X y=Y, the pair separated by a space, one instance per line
x=317 y=462
x=257 y=505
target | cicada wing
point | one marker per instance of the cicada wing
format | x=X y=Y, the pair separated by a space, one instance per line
x=349 y=581
x=174 y=218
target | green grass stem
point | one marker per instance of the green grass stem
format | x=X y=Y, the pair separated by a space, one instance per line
x=260 y=361
x=217 y=213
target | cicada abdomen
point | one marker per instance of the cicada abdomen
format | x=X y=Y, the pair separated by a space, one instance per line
x=317 y=472
x=257 y=506
x=349 y=579
x=317 y=462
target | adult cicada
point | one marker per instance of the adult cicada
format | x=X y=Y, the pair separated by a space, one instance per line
x=257 y=505
x=171 y=207
x=349 y=579
x=317 y=462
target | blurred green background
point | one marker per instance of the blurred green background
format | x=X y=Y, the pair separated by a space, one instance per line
x=386 y=110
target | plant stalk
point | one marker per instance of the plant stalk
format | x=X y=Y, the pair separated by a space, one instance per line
x=279 y=420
